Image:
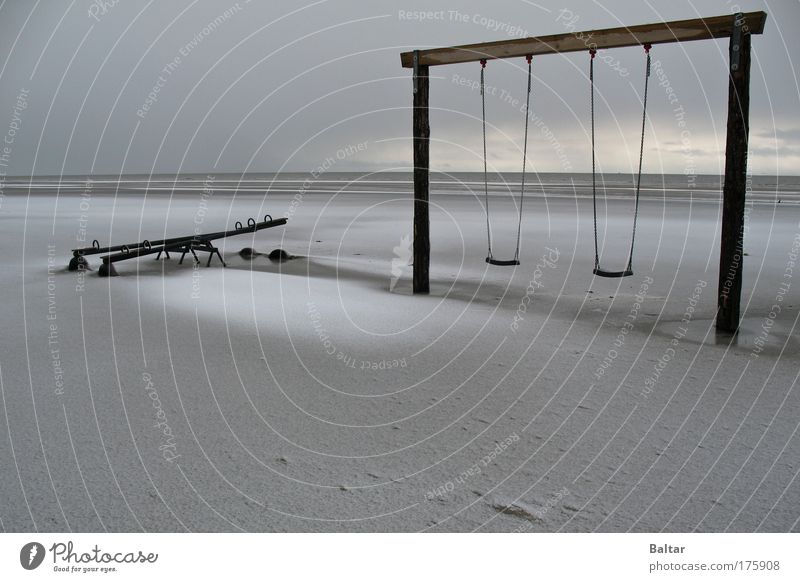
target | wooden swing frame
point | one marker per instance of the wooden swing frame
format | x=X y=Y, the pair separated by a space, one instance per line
x=737 y=27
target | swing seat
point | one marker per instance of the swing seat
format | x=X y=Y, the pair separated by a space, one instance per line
x=500 y=263
x=612 y=274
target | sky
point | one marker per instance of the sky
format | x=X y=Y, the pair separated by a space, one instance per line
x=195 y=86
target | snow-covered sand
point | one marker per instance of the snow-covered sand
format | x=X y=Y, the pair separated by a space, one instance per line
x=321 y=395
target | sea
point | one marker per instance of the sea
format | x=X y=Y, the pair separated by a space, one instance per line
x=760 y=189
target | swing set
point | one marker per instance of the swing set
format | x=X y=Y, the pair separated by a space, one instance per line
x=600 y=272
x=738 y=28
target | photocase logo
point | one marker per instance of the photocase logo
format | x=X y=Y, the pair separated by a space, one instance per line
x=31 y=555
x=401 y=260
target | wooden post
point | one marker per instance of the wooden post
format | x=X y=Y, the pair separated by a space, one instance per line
x=729 y=291
x=422 y=132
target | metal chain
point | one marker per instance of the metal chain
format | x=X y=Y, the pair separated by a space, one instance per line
x=641 y=155
x=524 y=158
x=592 y=53
x=485 y=170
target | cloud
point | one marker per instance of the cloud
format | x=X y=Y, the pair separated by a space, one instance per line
x=282 y=85
x=781 y=134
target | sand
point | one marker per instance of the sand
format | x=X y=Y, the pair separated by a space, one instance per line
x=319 y=394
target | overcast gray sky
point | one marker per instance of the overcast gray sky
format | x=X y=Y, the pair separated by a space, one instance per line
x=130 y=86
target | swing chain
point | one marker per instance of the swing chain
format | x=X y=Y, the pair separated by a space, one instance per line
x=528 y=58
x=647 y=48
x=485 y=170
x=592 y=53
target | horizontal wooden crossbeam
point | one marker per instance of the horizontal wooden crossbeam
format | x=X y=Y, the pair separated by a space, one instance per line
x=655 y=33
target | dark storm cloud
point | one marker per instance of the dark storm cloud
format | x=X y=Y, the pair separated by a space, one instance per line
x=199 y=86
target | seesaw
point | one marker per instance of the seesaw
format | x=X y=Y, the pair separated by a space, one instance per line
x=182 y=244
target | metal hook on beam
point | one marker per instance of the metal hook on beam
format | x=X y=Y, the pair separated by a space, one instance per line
x=736 y=40
x=416 y=69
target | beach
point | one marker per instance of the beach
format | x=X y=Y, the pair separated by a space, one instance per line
x=320 y=394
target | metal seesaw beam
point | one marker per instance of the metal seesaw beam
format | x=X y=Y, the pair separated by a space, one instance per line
x=251 y=227
x=185 y=244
